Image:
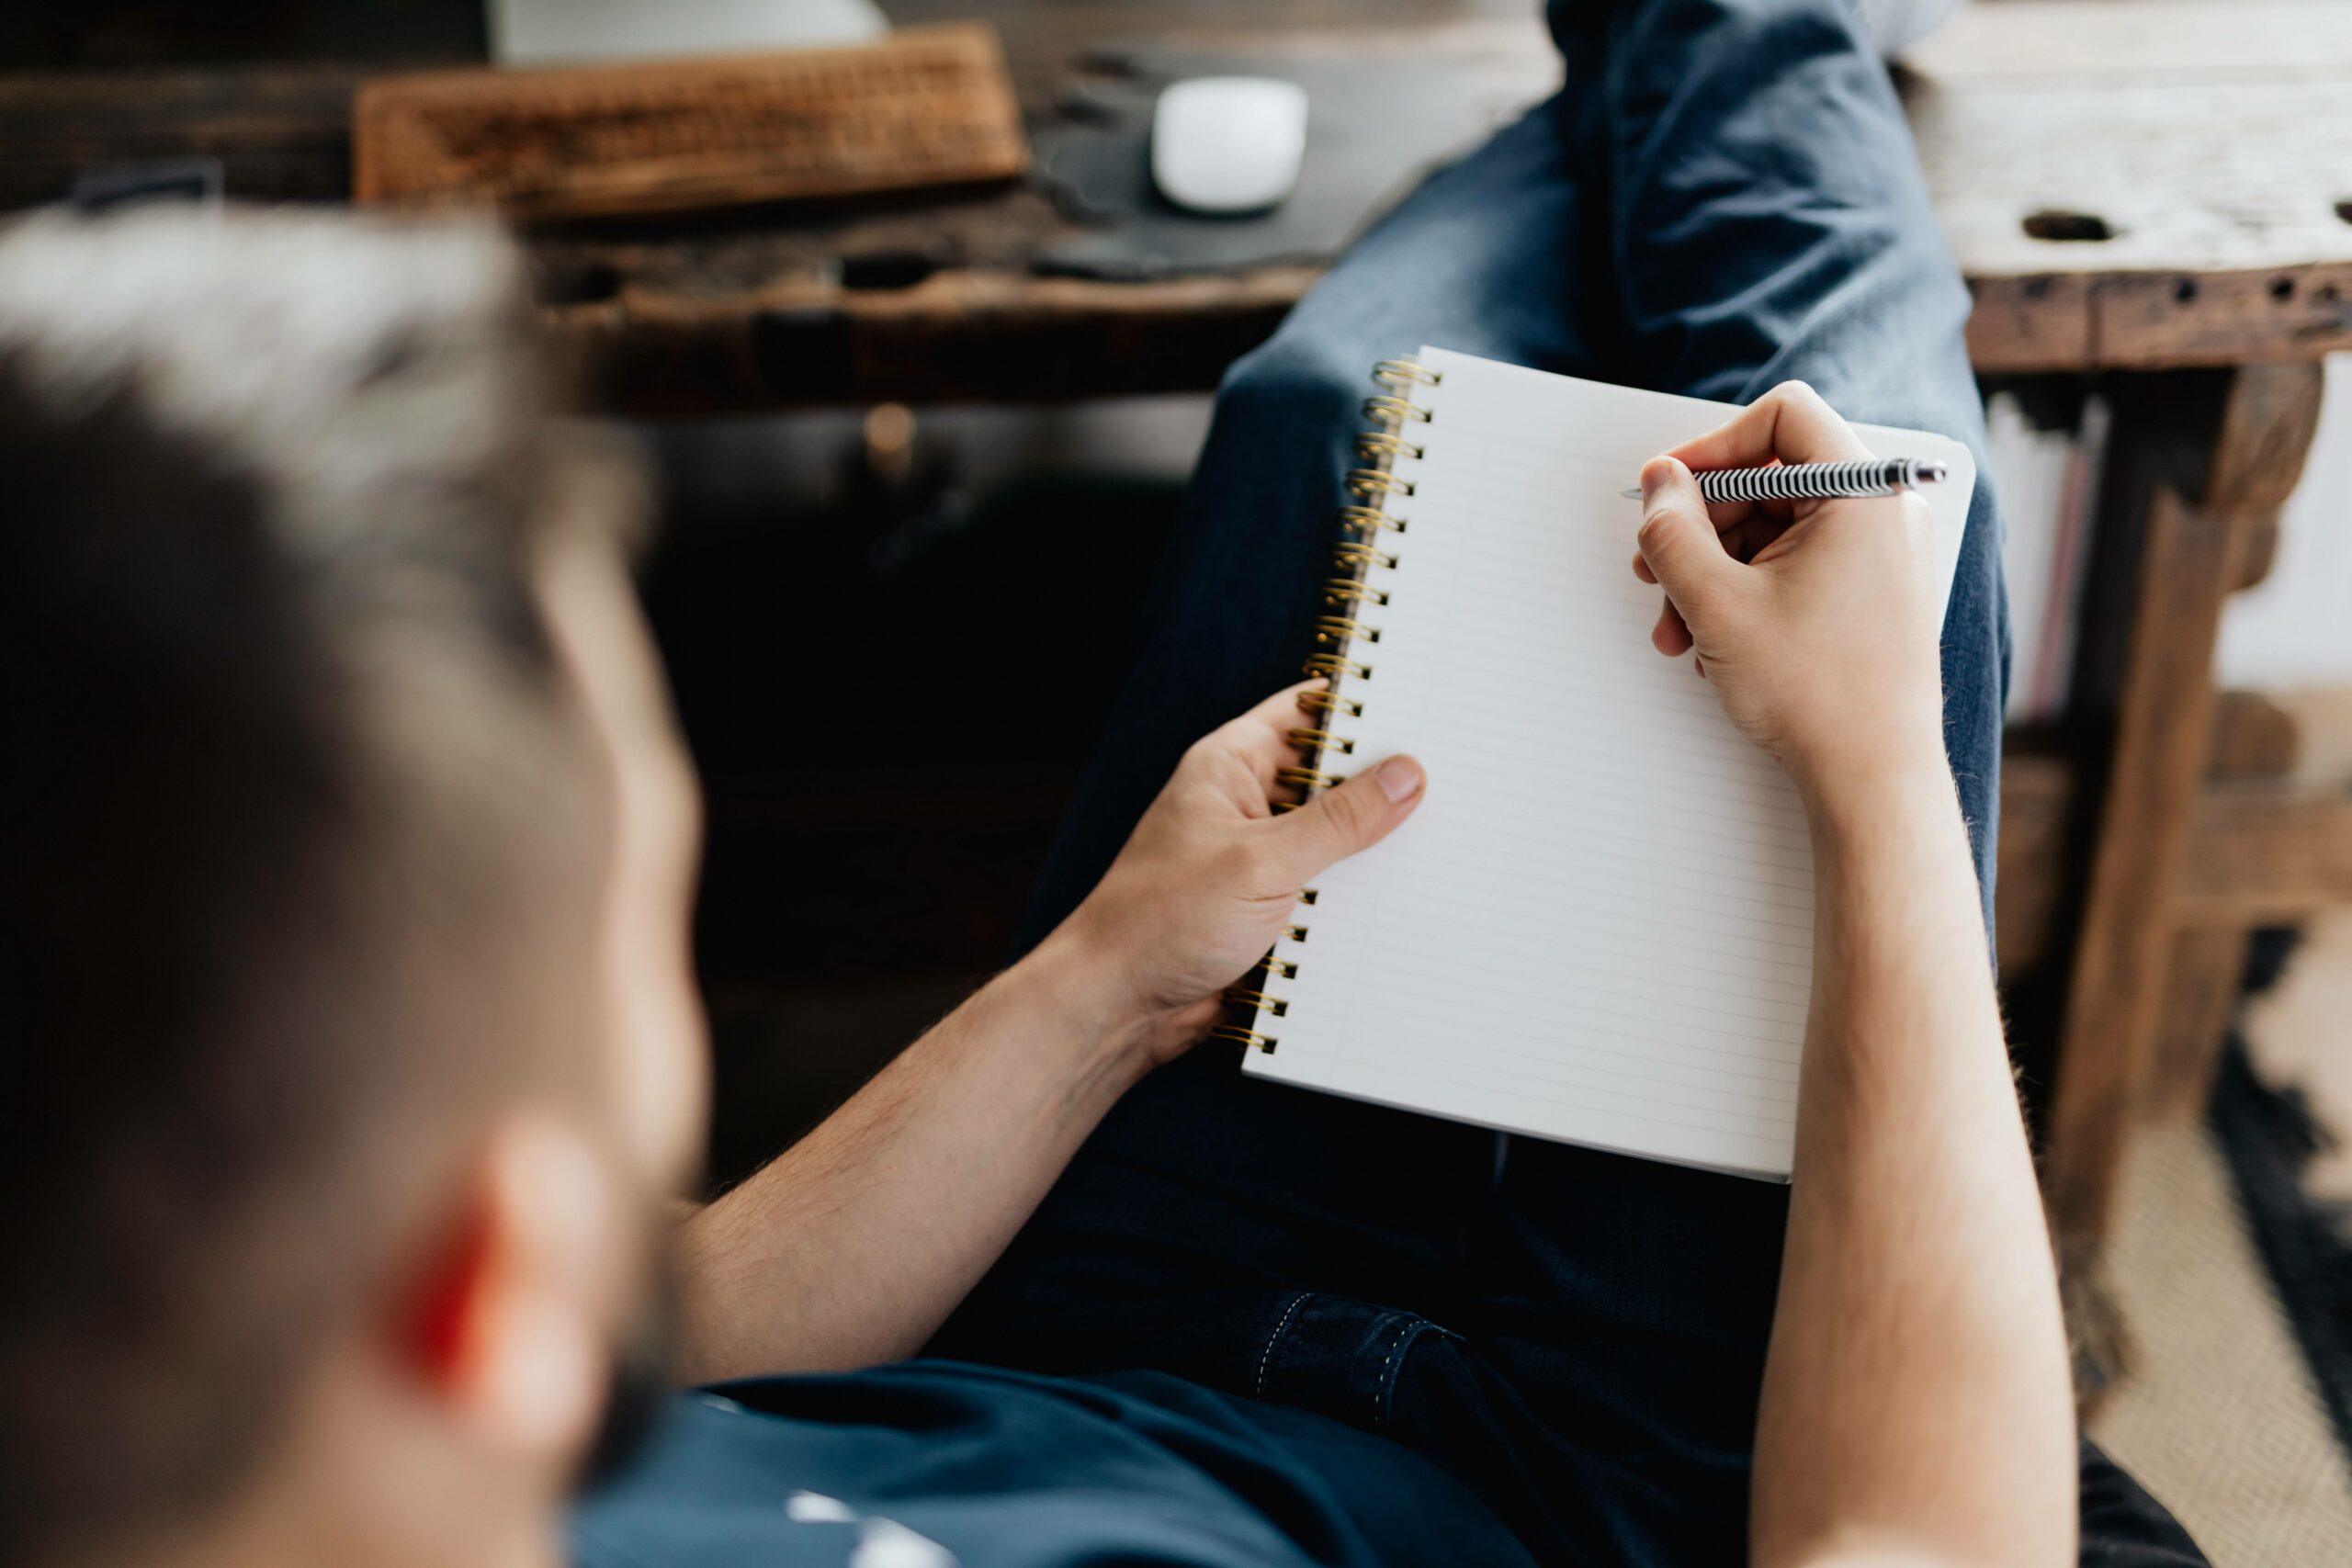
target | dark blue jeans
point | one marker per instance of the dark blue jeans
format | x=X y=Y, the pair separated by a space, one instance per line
x=1722 y=197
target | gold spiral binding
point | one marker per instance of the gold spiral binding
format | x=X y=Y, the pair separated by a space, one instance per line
x=1332 y=665
x=1371 y=518
x=1369 y=483
x=1303 y=739
x=1394 y=411
x=1362 y=514
x=1338 y=628
x=1277 y=1006
x=1374 y=444
x=1405 y=372
x=1316 y=701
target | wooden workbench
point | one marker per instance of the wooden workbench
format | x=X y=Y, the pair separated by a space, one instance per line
x=2144 y=192
x=2129 y=185
x=2153 y=192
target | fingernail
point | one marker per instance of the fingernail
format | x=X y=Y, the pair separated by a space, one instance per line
x=1400 y=778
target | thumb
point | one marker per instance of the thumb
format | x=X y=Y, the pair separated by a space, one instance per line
x=1355 y=816
x=1677 y=540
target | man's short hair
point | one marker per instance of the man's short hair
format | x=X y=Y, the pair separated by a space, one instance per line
x=289 y=764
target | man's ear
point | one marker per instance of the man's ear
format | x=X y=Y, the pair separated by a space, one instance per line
x=509 y=1327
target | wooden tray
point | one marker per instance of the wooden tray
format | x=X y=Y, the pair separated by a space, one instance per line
x=929 y=106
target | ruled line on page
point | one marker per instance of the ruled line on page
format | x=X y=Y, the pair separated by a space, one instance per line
x=1598 y=924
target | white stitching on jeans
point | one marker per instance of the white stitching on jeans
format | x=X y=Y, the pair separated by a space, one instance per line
x=1267 y=1355
x=1380 y=1384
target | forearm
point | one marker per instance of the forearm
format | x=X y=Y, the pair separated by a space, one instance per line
x=1916 y=1397
x=853 y=1245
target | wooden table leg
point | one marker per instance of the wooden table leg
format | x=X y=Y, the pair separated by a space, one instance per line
x=2231 y=451
x=2250 y=740
x=2203 y=968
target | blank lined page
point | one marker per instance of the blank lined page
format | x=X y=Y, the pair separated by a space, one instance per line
x=1598 y=927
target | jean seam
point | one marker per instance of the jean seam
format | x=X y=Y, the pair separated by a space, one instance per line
x=1281 y=1325
x=1380 y=1386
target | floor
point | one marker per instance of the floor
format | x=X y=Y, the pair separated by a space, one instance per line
x=2218 y=1417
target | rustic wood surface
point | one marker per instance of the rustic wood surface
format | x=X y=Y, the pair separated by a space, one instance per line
x=2253 y=737
x=923 y=107
x=2203 y=138
x=2267 y=841
x=2233 y=472
x=282 y=133
x=2038 y=813
x=2143 y=185
x=2203 y=973
x=2199 y=137
x=2254 y=815
x=2258 y=856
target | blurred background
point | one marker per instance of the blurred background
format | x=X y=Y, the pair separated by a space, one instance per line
x=919 y=447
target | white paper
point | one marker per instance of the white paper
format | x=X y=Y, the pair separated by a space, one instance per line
x=1598 y=927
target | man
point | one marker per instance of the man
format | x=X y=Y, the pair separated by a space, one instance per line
x=347 y=861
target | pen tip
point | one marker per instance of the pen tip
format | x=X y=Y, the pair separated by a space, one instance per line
x=1634 y=494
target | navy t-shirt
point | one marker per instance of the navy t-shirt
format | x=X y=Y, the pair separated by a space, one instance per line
x=929 y=1464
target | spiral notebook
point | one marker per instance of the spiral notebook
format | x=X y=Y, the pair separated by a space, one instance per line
x=1598 y=926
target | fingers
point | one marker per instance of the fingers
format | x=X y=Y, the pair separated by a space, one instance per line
x=1262 y=735
x=1680 y=546
x=1790 y=423
x=1671 y=635
x=1349 y=818
x=1744 y=541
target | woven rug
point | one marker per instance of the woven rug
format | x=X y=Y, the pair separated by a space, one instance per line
x=2283 y=1121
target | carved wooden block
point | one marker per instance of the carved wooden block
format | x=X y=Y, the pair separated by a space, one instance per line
x=927 y=107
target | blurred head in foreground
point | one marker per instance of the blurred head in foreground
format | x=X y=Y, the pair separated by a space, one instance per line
x=348 y=1043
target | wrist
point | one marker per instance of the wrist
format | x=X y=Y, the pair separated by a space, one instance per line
x=1866 y=797
x=1068 y=977
x=1865 y=767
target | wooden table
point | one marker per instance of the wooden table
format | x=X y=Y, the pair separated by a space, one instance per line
x=2197 y=134
x=2155 y=194
x=2144 y=192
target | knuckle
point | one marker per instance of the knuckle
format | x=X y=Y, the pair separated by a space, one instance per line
x=1350 y=813
x=1236 y=864
x=1209 y=752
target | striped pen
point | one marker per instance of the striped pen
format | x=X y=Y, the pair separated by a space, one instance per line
x=1813 y=481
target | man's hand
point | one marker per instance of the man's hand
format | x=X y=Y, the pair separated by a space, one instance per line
x=1815 y=620
x=854 y=1245
x=1213 y=871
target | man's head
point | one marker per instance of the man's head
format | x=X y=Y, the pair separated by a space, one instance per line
x=346 y=1037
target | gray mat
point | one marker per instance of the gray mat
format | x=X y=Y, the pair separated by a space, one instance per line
x=1374 y=124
